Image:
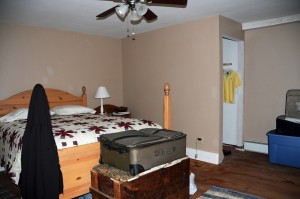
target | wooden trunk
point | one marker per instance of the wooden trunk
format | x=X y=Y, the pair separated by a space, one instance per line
x=170 y=182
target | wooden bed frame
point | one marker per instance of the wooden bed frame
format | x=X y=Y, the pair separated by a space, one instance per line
x=76 y=162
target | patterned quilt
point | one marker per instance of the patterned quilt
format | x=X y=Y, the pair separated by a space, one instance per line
x=68 y=131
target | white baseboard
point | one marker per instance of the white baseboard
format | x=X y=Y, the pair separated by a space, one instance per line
x=203 y=155
x=256 y=146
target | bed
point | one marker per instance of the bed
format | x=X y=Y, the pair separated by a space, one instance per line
x=76 y=159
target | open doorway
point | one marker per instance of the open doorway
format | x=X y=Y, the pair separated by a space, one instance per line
x=233 y=105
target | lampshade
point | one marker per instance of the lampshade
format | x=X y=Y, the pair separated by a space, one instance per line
x=122 y=10
x=134 y=16
x=141 y=9
x=102 y=93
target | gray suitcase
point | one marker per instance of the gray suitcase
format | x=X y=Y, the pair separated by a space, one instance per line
x=292 y=110
x=136 y=151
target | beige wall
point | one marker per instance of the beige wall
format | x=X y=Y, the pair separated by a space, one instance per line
x=231 y=29
x=58 y=59
x=272 y=66
x=188 y=57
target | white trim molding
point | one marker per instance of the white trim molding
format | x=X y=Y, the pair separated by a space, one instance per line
x=271 y=22
x=203 y=155
x=256 y=147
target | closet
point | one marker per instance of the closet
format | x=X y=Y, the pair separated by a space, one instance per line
x=233 y=69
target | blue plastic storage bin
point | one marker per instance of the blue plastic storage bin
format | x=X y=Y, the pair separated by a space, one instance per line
x=284 y=150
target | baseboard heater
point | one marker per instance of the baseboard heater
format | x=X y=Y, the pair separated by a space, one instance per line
x=254 y=146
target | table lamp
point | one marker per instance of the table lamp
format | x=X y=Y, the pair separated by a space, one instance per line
x=102 y=93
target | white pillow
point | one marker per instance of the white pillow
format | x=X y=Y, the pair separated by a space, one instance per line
x=72 y=109
x=19 y=114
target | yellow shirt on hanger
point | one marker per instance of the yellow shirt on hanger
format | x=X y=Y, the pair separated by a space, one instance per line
x=231 y=81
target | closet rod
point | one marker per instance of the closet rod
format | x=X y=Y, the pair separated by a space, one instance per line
x=227 y=64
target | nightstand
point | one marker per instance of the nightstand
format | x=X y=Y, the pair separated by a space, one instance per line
x=109 y=109
x=120 y=114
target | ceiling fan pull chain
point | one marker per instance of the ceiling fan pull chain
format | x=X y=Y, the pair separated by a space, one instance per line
x=127 y=21
x=133 y=33
x=128 y=32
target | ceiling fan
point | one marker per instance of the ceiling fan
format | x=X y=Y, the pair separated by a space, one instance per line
x=136 y=9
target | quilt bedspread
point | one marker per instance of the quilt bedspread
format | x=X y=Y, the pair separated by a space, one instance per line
x=68 y=131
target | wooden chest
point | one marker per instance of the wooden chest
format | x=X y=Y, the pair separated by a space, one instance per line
x=168 y=181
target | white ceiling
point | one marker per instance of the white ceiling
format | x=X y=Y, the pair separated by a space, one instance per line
x=80 y=15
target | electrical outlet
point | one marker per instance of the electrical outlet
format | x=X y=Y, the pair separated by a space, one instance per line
x=200 y=140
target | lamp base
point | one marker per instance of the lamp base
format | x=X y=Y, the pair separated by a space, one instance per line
x=101 y=108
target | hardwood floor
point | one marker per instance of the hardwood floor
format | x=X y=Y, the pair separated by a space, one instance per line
x=250 y=173
x=246 y=172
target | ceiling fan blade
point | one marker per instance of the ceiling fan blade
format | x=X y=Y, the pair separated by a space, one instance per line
x=118 y=1
x=150 y=16
x=106 y=13
x=171 y=2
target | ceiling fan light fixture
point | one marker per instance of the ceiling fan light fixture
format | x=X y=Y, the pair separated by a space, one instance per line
x=122 y=10
x=134 y=16
x=141 y=9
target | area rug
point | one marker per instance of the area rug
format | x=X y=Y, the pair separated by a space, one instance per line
x=5 y=194
x=218 y=192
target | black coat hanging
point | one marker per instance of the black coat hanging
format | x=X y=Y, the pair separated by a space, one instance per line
x=41 y=176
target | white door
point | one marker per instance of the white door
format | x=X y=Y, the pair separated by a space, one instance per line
x=232 y=113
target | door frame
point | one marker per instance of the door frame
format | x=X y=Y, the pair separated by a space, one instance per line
x=240 y=102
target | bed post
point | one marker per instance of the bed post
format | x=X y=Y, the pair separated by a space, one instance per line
x=167 y=107
x=84 y=98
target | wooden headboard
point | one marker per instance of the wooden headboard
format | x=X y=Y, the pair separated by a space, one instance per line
x=55 y=98
x=58 y=98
